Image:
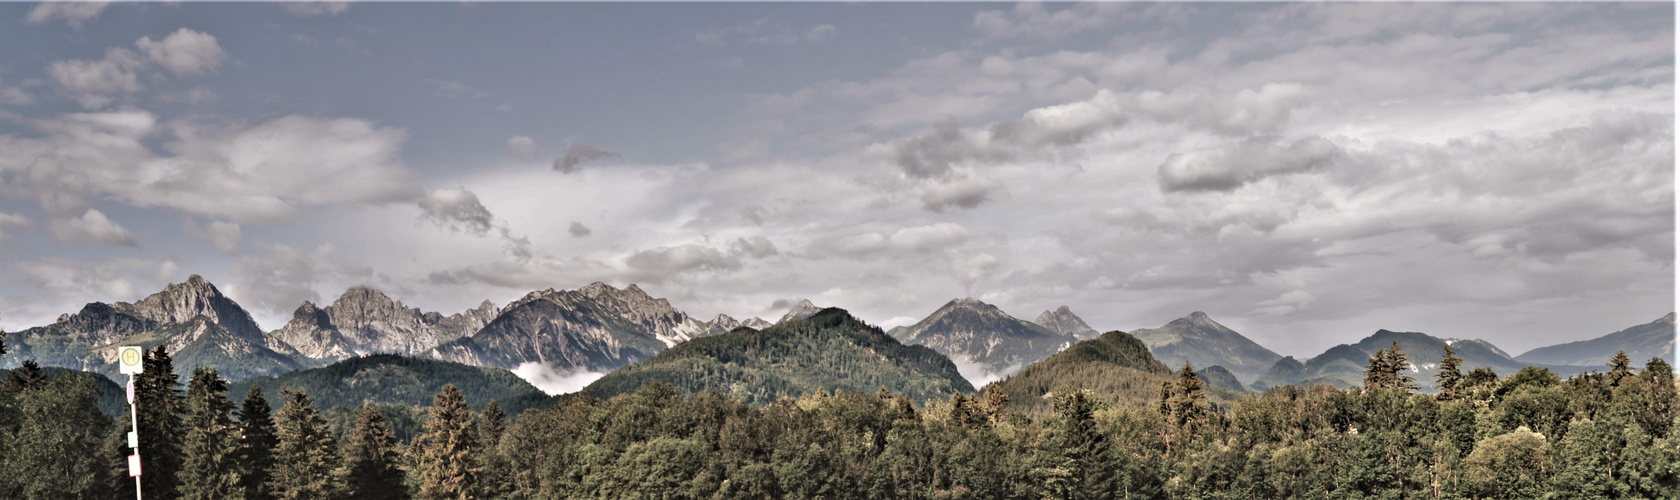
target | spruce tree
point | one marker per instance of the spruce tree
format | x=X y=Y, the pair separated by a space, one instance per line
x=449 y=454
x=55 y=448
x=494 y=423
x=1620 y=368
x=495 y=480
x=210 y=462
x=1188 y=405
x=25 y=378
x=306 y=457
x=370 y=459
x=1448 y=378
x=256 y=445
x=161 y=430
x=1384 y=370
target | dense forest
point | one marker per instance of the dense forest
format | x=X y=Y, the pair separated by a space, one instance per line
x=1528 y=434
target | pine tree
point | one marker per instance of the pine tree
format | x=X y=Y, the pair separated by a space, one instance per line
x=161 y=430
x=1188 y=406
x=370 y=459
x=256 y=445
x=449 y=454
x=1620 y=368
x=494 y=423
x=495 y=481
x=25 y=378
x=1448 y=379
x=306 y=457
x=1384 y=370
x=210 y=465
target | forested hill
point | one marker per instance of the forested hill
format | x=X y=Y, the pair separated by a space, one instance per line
x=1116 y=368
x=830 y=351
x=389 y=378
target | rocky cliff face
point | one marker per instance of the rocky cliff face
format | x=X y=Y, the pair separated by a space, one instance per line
x=1063 y=321
x=365 y=321
x=804 y=309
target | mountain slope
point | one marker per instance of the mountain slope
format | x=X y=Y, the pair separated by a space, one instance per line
x=804 y=309
x=1344 y=365
x=365 y=321
x=389 y=378
x=1203 y=342
x=1642 y=342
x=1063 y=321
x=199 y=325
x=981 y=339
x=1115 y=366
x=830 y=350
x=1218 y=376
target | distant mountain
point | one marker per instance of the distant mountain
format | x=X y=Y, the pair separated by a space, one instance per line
x=1344 y=365
x=1642 y=342
x=1115 y=366
x=830 y=350
x=1063 y=321
x=389 y=378
x=199 y=325
x=365 y=321
x=1203 y=342
x=1218 y=376
x=804 y=309
x=981 y=339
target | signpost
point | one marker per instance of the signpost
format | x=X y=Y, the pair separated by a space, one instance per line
x=131 y=361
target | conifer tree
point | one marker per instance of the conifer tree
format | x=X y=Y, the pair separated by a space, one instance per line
x=25 y=378
x=494 y=423
x=497 y=468
x=161 y=430
x=256 y=445
x=449 y=466
x=55 y=447
x=1384 y=370
x=1620 y=368
x=1188 y=405
x=370 y=459
x=210 y=461
x=1448 y=379
x=306 y=457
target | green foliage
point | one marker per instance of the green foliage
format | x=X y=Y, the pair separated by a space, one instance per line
x=51 y=438
x=449 y=456
x=389 y=378
x=828 y=351
x=1384 y=370
x=1448 y=378
x=256 y=445
x=371 y=459
x=306 y=456
x=161 y=429
x=1116 y=367
x=210 y=465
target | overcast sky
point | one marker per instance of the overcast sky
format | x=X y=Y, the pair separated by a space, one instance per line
x=1306 y=174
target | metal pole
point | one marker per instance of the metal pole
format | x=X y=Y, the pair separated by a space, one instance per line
x=134 y=419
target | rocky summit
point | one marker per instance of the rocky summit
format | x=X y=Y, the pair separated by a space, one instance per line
x=365 y=321
x=1063 y=321
x=981 y=339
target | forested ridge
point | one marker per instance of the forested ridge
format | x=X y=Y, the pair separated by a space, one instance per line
x=1528 y=434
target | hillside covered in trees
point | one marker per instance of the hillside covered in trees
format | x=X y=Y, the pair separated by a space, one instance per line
x=830 y=350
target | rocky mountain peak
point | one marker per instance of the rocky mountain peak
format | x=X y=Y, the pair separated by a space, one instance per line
x=1668 y=319
x=804 y=309
x=1063 y=321
x=181 y=302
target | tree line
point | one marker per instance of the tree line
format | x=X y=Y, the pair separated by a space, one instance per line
x=1529 y=434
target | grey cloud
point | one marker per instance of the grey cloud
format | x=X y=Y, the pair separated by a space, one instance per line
x=668 y=261
x=225 y=236
x=757 y=247
x=578 y=230
x=316 y=7
x=941 y=198
x=184 y=52
x=453 y=90
x=909 y=239
x=15 y=221
x=285 y=277
x=72 y=13
x=578 y=154
x=458 y=209
x=91 y=226
x=522 y=147
x=820 y=33
x=1031 y=20
x=1230 y=167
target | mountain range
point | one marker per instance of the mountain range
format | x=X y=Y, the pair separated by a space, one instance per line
x=599 y=328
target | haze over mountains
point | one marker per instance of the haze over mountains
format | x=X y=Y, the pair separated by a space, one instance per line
x=562 y=340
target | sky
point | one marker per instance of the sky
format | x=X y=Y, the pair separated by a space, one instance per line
x=1304 y=173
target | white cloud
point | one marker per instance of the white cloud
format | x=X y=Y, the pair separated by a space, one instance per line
x=820 y=33
x=72 y=13
x=92 y=226
x=316 y=7
x=578 y=154
x=96 y=84
x=553 y=382
x=184 y=52
x=522 y=147
x=225 y=236
x=1230 y=167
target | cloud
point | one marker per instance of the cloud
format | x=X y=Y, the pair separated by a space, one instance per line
x=223 y=235
x=184 y=52
x=15 y=221
x=1030 y=20
x=457 y=209
x=72 y=13
x=672 y=260
x=578 y=230
x=757 y=247
x=766 y=31
x=281 y=277
x=92 y=226
x=1230 y=167
x=553 y=382
x=820 y=33
x=941 y=198
x=453 y=90
x=909 y=239
x=522 y=147
x=579 y=154
x=234 y=171
x=13 y=96
x=96 y=84
x=316 y=7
